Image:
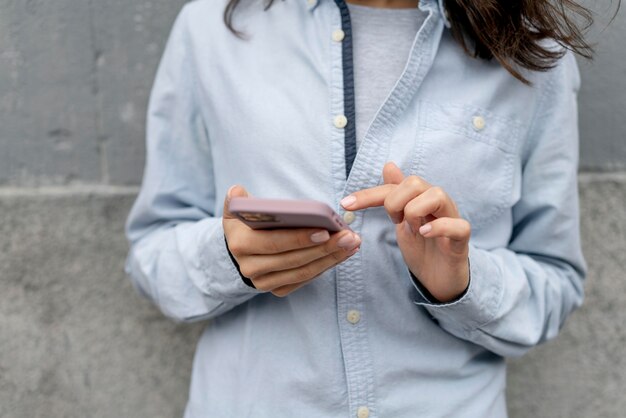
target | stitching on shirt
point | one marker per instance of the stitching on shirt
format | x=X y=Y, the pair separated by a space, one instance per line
x=478 y=221
x=348 y=87
x=432 y=118
x=436 y=120
x=389 y=109
x=530 y=140
x=330 y=76
x=357 y=385
x=494 y=302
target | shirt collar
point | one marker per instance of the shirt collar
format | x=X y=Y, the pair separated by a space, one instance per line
x=443 y=13
x=423 y=5
x=311 y=4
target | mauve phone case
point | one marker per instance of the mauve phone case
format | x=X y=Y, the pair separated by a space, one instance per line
x=281 y=213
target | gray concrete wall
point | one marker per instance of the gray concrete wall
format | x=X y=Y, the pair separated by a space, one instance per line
x=74 y=82
x=75 y=339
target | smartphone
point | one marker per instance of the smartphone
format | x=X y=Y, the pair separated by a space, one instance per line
x=284 y=213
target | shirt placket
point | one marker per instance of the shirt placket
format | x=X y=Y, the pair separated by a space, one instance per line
x=355 y=349
x=354 y=171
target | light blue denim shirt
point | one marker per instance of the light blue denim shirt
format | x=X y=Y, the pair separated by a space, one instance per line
x=360 y=340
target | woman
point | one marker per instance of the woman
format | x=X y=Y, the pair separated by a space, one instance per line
x=464 y=118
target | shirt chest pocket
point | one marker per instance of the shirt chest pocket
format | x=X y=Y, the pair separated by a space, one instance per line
x=471 y=153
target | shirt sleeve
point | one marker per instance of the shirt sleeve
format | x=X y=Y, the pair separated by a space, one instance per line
x=178 y=254
x=520 y=296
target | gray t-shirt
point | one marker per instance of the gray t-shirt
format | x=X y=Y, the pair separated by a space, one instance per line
x=382 y=39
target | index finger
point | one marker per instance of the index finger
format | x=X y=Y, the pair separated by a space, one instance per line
x=280 y=240
x=367 y=198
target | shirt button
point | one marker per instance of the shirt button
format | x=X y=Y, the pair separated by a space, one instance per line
x=479 y=123
x=363 y=412
x=353 y=316
x=349 y=217
x=338 y=35
x=341 y=121
x=311 y=2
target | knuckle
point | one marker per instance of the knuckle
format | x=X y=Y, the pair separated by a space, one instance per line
x=329 y=246
x=302 y=274
x=390 y=207
x=290 y=261
x=438 y=192
x=332 y=245
x=303 y=239
x=466 y=227
x=273 y=246
x=235 y=245
x=248 y=269
x=344 y=255
x=261 y=285
x=264 y=241
x=338 y=256
x=446 y=227
x=413 y=210
x=413 y=181
x=281 y=292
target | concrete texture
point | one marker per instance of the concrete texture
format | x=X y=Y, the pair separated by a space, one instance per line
x=74 y=82
x=582 y=374
x=75 y=77
x=602 y=100
x=47 y=113
x=128 y=39
x=77 y=341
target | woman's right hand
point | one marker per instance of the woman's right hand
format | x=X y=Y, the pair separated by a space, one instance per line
x=282 y=260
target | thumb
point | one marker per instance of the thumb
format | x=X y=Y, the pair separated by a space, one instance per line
x=392 y=173
x=234 y=191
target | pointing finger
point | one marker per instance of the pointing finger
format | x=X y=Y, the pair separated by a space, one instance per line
x=366 y=198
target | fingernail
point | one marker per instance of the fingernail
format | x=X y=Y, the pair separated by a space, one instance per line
x=321 y=236
x=348 y=201
x=408 y=228
x=425 y=229
x=349 y=241
x=230 y=191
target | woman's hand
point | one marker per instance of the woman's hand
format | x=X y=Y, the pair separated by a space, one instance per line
x=283 y=260
x=431 y=235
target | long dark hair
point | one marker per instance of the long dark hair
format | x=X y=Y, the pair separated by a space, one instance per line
x=510 y=31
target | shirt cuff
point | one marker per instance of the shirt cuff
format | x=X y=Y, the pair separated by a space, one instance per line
x=246 y=280
x=222 y=278
x=480 y=302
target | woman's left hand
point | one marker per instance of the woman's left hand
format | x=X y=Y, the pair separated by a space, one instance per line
x=430 y=233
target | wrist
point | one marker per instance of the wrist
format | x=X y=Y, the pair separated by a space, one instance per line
x=443 y=296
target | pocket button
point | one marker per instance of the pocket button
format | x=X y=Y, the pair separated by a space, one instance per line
x=479 y=123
